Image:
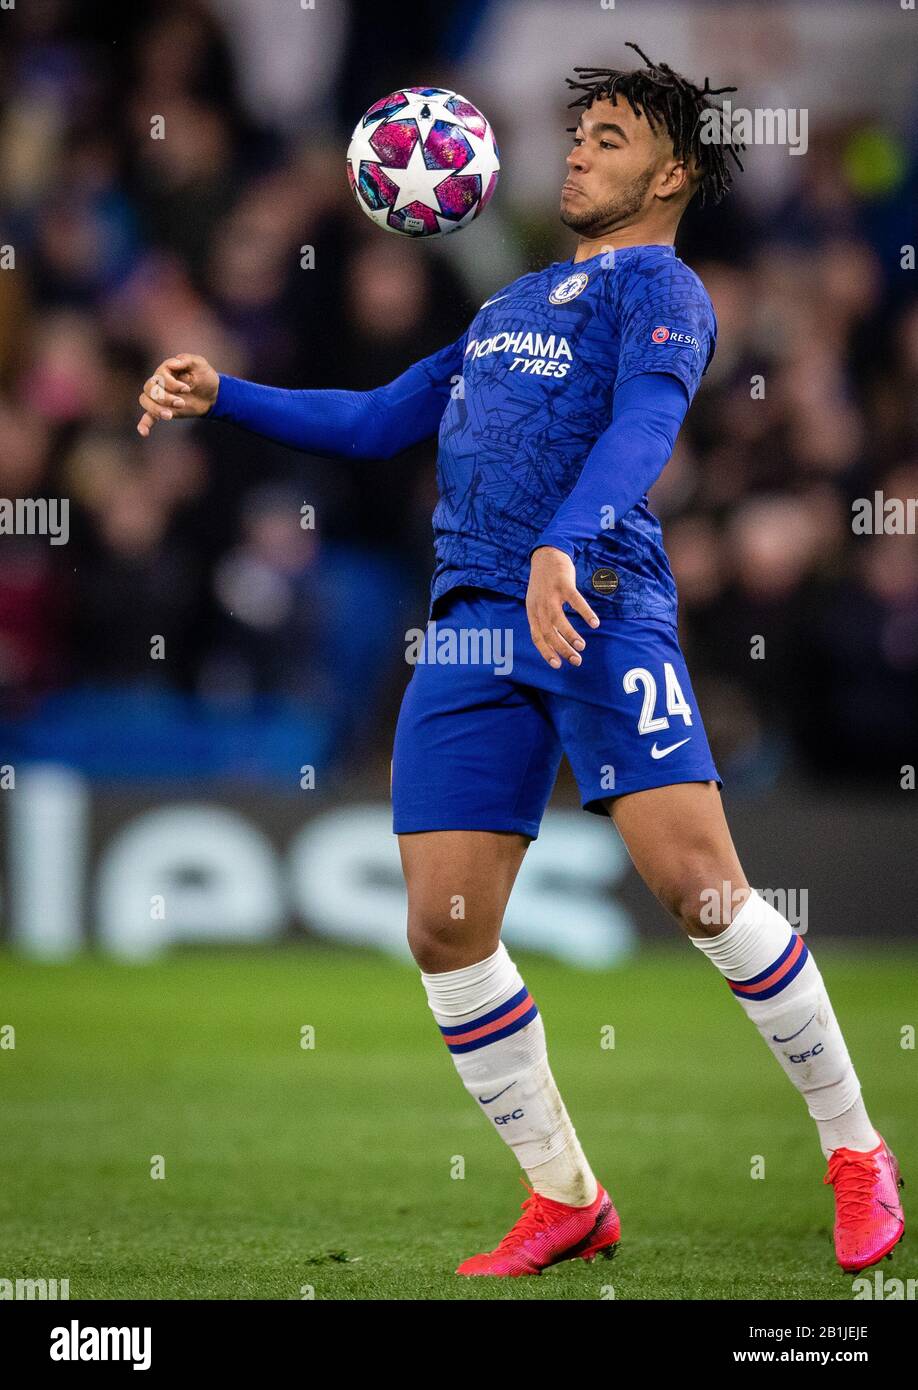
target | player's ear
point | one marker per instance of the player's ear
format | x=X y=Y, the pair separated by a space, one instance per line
x=677 y=178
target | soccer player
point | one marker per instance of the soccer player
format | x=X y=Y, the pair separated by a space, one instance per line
x=556 y=411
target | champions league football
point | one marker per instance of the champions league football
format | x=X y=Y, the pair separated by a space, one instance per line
x=423 y=162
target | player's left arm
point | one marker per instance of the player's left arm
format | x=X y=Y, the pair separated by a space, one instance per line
x=623 y=464
x=668 y=333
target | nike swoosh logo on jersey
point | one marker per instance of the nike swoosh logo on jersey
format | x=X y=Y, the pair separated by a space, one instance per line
x=488 y=302
x=798 y=1032
x=656 y=752
x=486 y=1100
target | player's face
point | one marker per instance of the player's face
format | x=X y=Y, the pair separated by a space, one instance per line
x=614 y=169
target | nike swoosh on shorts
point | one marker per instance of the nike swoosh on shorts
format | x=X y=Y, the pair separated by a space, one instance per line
x=656 y=752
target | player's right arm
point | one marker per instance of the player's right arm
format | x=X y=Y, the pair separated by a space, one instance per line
x=374 y=424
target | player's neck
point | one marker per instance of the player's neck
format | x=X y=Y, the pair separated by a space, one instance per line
x=620 y=238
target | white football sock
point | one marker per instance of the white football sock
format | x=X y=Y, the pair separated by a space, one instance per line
x=776 y=980
x=497 y=1040
x=851 y=1130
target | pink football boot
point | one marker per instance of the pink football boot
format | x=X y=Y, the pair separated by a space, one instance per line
x=869 y=1219
x=549 y=1232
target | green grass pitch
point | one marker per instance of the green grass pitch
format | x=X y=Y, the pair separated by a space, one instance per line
x=333 y=1167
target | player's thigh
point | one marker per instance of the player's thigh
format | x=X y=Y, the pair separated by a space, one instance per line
x=636 y=742
x=628 y=718
x=680 y=844
x=472 y=752
x=473 y=767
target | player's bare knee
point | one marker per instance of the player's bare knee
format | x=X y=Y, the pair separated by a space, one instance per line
x=693 y=896
x=439 y=940
x=432 y=939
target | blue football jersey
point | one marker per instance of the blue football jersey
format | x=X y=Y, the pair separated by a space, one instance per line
x=535 y=377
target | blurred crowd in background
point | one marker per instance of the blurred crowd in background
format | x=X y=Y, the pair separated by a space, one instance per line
x=285 y=645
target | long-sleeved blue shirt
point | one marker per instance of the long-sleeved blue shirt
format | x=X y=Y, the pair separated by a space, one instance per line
x=555 y=413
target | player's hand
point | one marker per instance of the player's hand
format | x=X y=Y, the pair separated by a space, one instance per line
x=552 y=584
x=181 y=388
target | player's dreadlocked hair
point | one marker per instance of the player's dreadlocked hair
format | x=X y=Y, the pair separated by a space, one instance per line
x=667 y=98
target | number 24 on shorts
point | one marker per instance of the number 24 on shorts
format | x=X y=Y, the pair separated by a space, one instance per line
x=649 y=722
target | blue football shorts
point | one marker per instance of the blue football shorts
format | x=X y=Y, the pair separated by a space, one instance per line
x=485 y=719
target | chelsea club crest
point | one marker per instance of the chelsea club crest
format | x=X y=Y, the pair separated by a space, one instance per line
x=569 y=289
